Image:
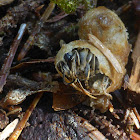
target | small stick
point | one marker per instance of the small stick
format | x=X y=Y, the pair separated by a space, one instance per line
x=136 y=113
x=134 y=80
x=57 y=17
x=124 y=8
x=36 y=30
x=135 y=136
x=134 y=118
x=15 y=111
x=27 y=64
x=8 y=61
x=107 y=53
x=47 y=12
x=5 y=2
x=8 y=130
x=25 y=118
x=93 y=132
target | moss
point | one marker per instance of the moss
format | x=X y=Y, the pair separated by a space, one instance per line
x=70 y=6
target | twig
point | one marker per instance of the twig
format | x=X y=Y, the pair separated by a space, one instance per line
x=29 y=63
x=57 y=17
x=134 y=118
x=135 y=136
x=123 y=8
x=93 y=132
x=14 y=111
x=36 y=30
x=37 y=10
x=8 y=61
x=137 y=114
x=8 y=130
x=47 y=12
x=25 y=118
x=5 y=2
x=136 y=50
x=134 y=81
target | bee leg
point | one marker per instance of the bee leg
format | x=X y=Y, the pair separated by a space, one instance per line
x=97 y=70
x=66 y=72
x=77 y=57
x=105 y=83
x=74 y=57
x=89 y=57
x=87 y=68
x=87 y=74
x=93 y=65
x=108 y=95
x=83 y=55
x=65 y=67
x=65 y=81
x=84 y=90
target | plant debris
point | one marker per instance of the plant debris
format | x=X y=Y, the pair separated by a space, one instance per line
x=8 y=130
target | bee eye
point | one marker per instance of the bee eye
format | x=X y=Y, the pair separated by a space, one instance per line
x=67 y=57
